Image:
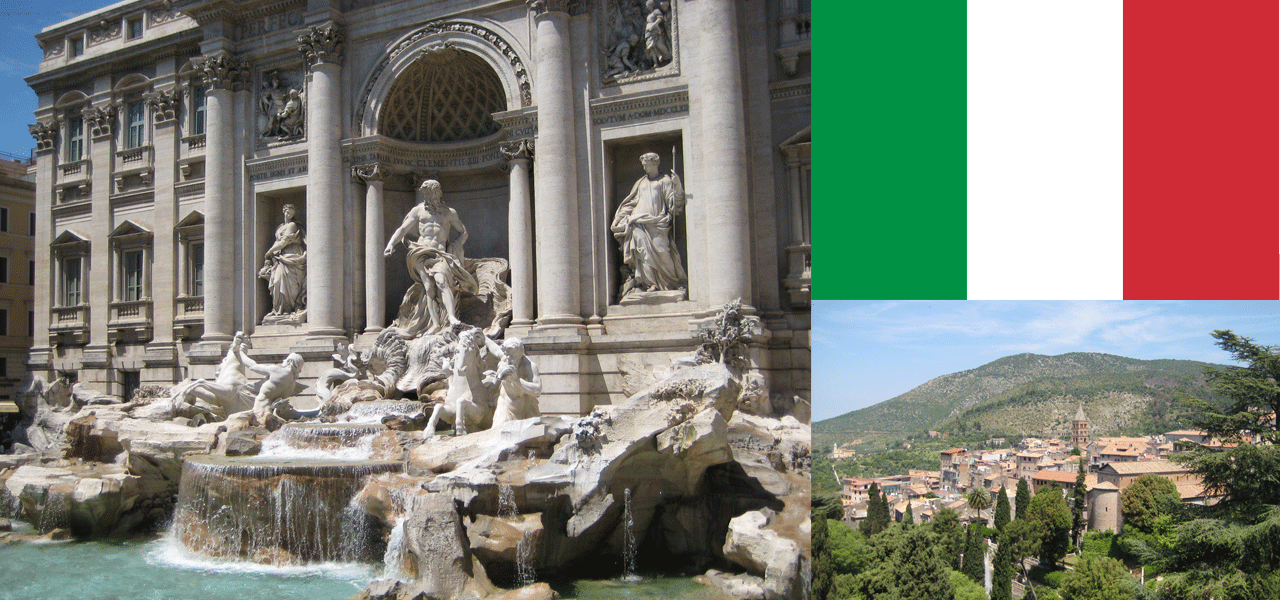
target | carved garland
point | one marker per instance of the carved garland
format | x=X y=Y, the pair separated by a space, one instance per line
x=436 y=27
x=321 y=44
x=517 y=149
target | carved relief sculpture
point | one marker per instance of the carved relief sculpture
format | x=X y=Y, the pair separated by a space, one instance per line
x=643 y=225
x=639 y=38
x=436 y=264
x=283 y=109
x=285 y=269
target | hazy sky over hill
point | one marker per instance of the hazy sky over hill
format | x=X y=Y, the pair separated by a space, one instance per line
x=868 y=352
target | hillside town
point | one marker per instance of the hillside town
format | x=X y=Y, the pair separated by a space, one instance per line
x=1113 y=464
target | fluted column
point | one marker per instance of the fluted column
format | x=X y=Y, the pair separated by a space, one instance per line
x=520 y=231
x=725 y=162
x=375 y=264
x=223 y=75
x=322 y=49
x=555 y=173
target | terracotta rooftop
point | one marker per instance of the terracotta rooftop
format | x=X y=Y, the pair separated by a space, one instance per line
x=1191 y=490
x=1061 y=476
x=1144 y=466
x=954 y=451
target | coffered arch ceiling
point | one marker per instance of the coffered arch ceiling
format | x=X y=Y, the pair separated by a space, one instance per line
x=447 y=96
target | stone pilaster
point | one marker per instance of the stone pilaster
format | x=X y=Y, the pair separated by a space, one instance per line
x=164 y=276
x=223 y=75
x=46 y=135
x=321 y=47
x=724 y=187
x=375 y=264
x=555 y=172
x=520 y=231
x=97 y=279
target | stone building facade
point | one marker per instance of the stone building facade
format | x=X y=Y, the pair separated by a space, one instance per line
x=17 y=231
x=171 y=136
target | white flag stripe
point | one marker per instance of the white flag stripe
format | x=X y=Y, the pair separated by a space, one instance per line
x=1045 y=149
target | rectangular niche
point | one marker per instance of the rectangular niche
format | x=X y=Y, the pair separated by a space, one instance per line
x=270 y=215
x=624 y=169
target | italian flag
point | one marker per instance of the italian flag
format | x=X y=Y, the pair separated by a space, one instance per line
x=1046 y=149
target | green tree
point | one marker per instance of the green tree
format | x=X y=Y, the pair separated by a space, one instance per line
x=919 y=571
x=1078 y=519
x=971 y=566
x=1002 y=509
x=979 y=499
x=825 y=505
x=1075 y=452
x=1022 y=500
x=822 y=569
x=1048 y=511
x=908 y=518
x=874 y=524
x=1002 y=570
x=1099 y=578
x=1024 y=541
x=946 y=524
x=1146 y=499
x=850 y=550
x=966 y=589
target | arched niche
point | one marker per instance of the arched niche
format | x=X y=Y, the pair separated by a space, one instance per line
x=486 y=41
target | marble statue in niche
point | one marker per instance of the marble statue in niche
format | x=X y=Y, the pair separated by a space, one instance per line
x=643 y=225
x=436 y=264
x=285 y=269
x=640 y=38
x=282 y=109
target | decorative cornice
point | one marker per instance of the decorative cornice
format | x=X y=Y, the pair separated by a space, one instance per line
x=542 y=7
x=224 y=71
x=517 y=149
x=367 y=174
x=163 y=12
x=46 y=135
x=604 y=112
x=164 y=105
x=54 y=48
x=101 y=120
x=321 y=44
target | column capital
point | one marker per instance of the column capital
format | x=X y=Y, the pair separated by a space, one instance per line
x=517 y=149
x=46 y=134
x=222 y=71
x=164 y=105
x=367 y=174
x=322 y=44
x=542 y=7
x=100 y=119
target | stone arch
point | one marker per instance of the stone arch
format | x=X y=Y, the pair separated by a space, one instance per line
x=70 y=99
x=131 y=83
x=486 y=41
x=446 y=96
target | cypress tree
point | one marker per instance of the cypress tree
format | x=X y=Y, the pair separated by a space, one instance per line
x=908 y=518
x=873 y=524
x=1002 y=571
x=973 y=552
x=1022 y=501
x=823 y=566
x=1077 y=505
x=919 y=572
x=1002 y=509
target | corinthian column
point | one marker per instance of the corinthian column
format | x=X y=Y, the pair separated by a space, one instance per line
x=555 y=173
x=724 y=167
x=321 y=47
x=223 y=75
x=520 y=231
x=375 y=264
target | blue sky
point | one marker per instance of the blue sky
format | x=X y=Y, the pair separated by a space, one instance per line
x=869 y=352
x=20 y=21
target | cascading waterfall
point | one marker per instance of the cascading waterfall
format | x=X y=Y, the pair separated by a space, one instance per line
x=273 y=510
x=56 y=513
x=987 y=567
x=397 y=545
x=374 y=411
x=629 y=555
x=342 y=441
x=524 y=548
